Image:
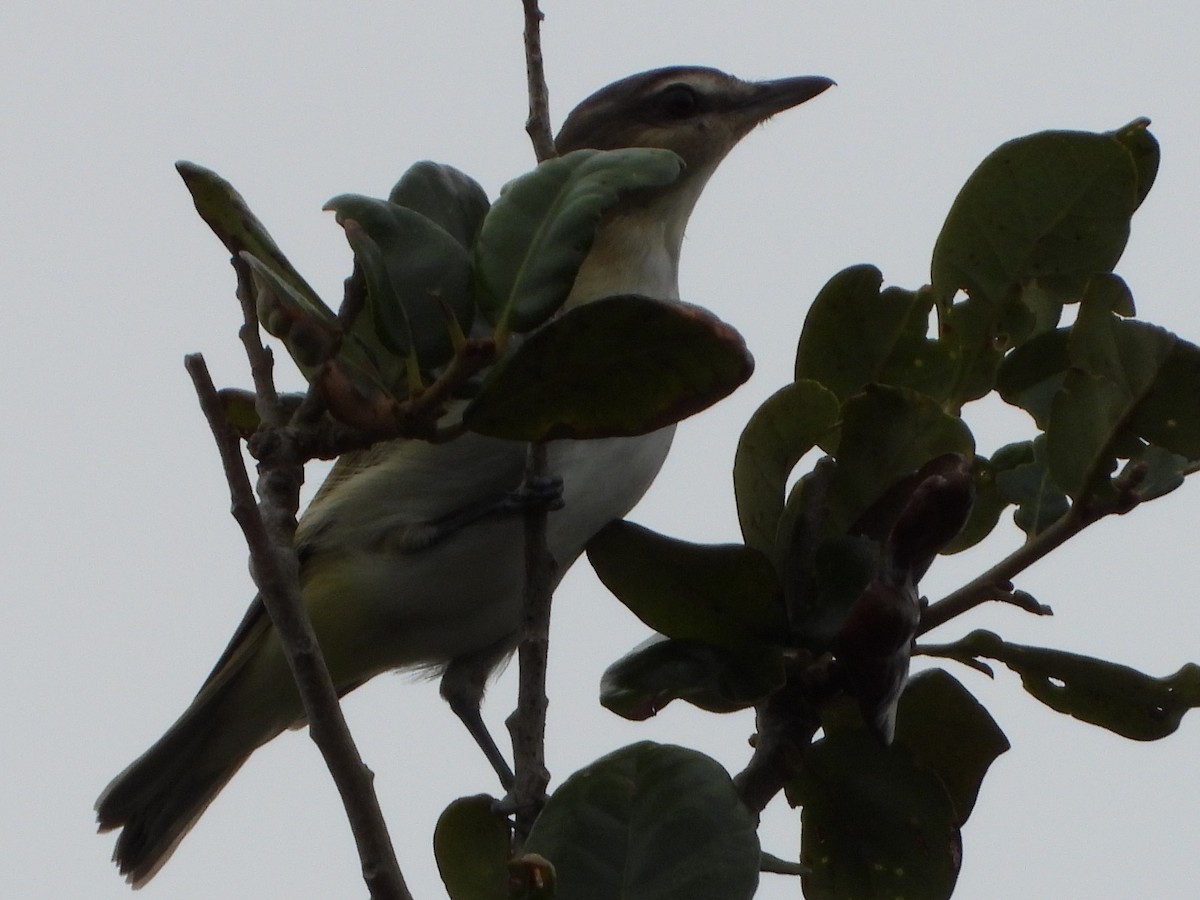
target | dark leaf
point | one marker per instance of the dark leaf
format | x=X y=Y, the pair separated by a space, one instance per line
x=310 y=334
x=1032 y=375
x=722 y=594
x=649 y=822
x=887 y=434
x=854 y=335
x=950 y=733
x=876 y=823
x=537 y=234
x=1052 y=204
x=227 y=214
x=1028 y=485
x=415 y=272
x=615 y=367
x=785 y=427
x=447 y=197
x=712 y=678
x=1113 y=696
x=1143 y=147
x=471 y=843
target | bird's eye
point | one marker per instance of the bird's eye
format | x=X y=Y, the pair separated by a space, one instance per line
x=678 y=101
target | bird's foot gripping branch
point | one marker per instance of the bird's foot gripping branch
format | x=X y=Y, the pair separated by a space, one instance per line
x=813 y=620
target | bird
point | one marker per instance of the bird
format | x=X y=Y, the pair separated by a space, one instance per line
x=386 y=582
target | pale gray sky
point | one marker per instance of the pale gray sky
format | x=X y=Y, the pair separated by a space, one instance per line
x=124 y=575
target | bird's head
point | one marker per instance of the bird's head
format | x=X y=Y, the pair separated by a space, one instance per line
x=697 y=112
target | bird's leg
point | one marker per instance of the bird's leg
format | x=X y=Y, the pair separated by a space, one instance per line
x=462 y=687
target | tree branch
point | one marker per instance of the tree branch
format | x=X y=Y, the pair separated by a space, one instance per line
x=538 y=123
x=527 y=725
x=996 y=582
x=269 y=529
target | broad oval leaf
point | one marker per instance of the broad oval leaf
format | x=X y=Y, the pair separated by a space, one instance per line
x=950 y=733
x=614 y=367
x=875 y=823
x=449 y=198
x=716 y=679
x=722 y=594
x=471 y=844
x=1053 y=204
x=416 y=272
x=536 y=235
x=855 y=335
x=887 y=433
x=785 y=427
x=649 y=822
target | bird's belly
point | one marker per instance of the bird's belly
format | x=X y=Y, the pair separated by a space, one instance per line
x=465 y=592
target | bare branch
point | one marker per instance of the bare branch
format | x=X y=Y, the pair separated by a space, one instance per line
x=268 y=530
x=527 y=725
x=538 y=123
x=996 y=582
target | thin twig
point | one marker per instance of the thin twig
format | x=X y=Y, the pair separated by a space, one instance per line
x=262 y=362
x=996 y=582
x=277 y=574
x=527 y=725
x=538 y=123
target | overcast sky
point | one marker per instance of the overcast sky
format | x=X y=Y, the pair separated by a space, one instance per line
x=124 y=575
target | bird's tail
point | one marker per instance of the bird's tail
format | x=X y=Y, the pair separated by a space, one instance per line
x=161 y=794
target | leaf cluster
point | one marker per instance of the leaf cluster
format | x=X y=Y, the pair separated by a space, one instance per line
x=813 y=619
x=454 y=314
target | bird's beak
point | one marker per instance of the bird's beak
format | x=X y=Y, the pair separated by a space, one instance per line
x=770 y=97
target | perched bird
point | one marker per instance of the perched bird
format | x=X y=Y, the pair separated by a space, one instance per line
x=387 y=584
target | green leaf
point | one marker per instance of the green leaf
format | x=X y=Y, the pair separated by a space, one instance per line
x=950 y=733
x=618 y=366
x=1026 y=482
x=887 y=433
x=985 y=512
x=1038 y=218
x=785 y=427
x=227 y=214
x=842 y=567
x=1168 y=415
x=1115 y=366
x=715 y=679
x=1143 y=147
x=1160 y=472
x=875 y=824
x=389 y=324
x=1031 y=376
x=445 y=196
x=471 y=843
x=311 y=336
x=854 y=336
x=537 y=234
x=1052 y=204
x=1116 y=697
x=649 y=822
x=415 y=272
x=241 y=412
x=722 y=594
